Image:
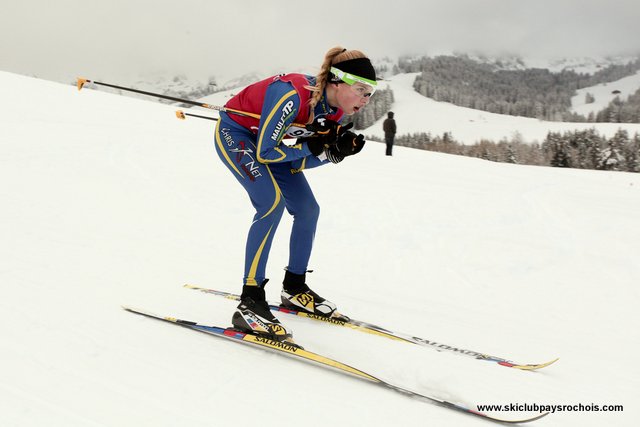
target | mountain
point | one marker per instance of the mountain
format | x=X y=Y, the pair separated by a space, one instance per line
x=581 y=65
x=584 y=65
x=109 y=200
x=179 y=86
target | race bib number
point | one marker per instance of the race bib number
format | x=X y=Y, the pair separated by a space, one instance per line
x=298 y=132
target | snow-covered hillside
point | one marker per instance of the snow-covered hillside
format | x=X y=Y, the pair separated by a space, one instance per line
x=416 y=113
x=108 y=200
x=604 y=93
x=583 y=65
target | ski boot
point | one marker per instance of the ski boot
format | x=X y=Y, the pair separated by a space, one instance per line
x=253 y=316
x=297 y=295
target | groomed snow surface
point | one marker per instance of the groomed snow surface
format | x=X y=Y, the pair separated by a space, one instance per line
x=108 y=200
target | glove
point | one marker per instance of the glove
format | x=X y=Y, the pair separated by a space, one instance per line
x=327 y=133
x=317 y=144
x=334 y=140
x=325 y=127
x=348 y=144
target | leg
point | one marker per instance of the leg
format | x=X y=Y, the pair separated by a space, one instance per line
x=388 y=142
x=301 y=204
x=236 y=149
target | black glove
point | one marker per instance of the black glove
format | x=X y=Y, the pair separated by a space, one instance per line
x=335 y=140
x=317 y=144
x=324 y=127
x=327 y=133
x=348 y=144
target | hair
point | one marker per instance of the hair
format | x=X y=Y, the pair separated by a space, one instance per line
x=334 y=56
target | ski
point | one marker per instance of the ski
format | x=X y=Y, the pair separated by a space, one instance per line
x=298 y=352
x=370 y=328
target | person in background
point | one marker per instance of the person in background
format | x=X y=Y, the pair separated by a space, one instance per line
x=249 y=141
x=389 y=127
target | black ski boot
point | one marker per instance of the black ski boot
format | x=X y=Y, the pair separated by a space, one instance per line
x=254 y=316
x=296 y=294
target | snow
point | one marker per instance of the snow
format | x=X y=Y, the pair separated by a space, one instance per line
x=603 y=94
x=580 y=65
x=417 y=113
x=109 y=200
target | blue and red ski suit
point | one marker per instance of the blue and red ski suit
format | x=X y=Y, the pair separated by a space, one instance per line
x=271 y=171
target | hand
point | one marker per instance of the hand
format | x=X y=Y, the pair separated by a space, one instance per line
x=327 y=134
x=325 y=127
x=328 y=128
x=348 y=144
x=317 y=144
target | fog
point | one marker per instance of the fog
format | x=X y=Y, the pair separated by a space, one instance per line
x=120 y=39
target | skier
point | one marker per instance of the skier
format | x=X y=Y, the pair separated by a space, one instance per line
x=271 y=172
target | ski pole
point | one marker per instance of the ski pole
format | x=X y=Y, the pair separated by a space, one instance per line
x=81 y=81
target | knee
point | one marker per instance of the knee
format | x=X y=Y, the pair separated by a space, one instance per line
x=279 y=208
x=310 y=211
x=273 y=212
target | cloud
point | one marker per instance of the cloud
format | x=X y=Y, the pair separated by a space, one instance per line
x=120 y=39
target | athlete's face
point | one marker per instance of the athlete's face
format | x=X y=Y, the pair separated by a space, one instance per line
x=350 y=99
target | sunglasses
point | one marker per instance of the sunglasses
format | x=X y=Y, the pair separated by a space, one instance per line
x=360 y=86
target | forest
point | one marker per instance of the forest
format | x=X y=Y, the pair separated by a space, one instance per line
x=576 y=149
x=530 y=92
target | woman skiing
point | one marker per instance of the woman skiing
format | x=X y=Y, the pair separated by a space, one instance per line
x=248 y=139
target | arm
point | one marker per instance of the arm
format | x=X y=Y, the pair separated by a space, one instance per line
x=280 y=108
x=308 y=162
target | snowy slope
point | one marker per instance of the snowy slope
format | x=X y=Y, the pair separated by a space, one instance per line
x=581 y=65
x=108 y=200
x=416 y=113
x=603 y=94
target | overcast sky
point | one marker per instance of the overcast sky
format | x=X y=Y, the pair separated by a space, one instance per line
x=122 y=39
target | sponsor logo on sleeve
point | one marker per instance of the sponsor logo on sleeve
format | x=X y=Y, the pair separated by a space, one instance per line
x=287 y=111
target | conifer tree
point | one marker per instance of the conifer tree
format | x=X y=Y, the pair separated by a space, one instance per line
x=612 y=157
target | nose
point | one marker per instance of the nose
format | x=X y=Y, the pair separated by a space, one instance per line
x=364 y=101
